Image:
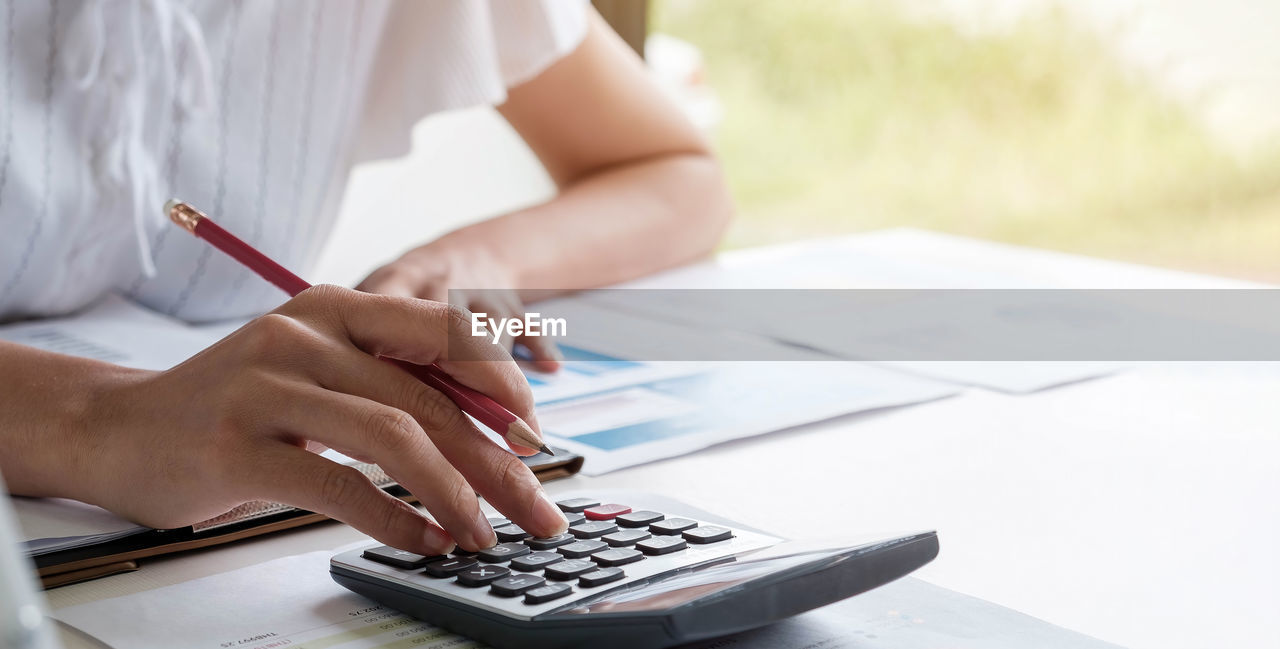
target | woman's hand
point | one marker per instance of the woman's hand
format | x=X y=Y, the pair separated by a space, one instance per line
x=240 y=422
x=465 y=276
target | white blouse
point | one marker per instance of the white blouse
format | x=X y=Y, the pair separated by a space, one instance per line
x=252 y=110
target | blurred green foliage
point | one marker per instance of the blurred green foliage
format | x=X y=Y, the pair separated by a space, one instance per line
x=842 y=116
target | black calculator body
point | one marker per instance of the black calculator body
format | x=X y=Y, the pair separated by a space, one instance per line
x=639 y=577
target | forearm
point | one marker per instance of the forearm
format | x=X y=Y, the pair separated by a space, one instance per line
x=607 y=227
x=47 y=404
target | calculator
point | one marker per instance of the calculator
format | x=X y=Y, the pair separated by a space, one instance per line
x=633 y=571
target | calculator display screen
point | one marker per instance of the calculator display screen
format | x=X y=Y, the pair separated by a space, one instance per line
x=703 y=582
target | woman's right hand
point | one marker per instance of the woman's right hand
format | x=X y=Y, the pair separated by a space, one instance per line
x=243 y=419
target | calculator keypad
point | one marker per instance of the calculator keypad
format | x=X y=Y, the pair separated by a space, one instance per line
x=397 y=558
x=617 y=557
x=593 y=529
x=507 y=533
x=571 y=569
x=550 y=542
x=449 y=566
x=503 y=552
x=625 y=538
x=642 y=518
x=579 y=549
x=600 y=577
x=482 y=575
x=661 y=545
x=575 y=505
x=535 y=561
x=672 y=526
x=605 y=546
x=547 y=593
x=605 y=512
x=515 y=585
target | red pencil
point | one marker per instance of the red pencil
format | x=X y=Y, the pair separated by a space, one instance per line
x=486 y=410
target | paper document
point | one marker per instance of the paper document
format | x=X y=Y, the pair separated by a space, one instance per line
x=725 y=401
x=53 y=524
x=292 y=602
x=668 y=408
x=118 y=331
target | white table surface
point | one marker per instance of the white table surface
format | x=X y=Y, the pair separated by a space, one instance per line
x=1139 y=508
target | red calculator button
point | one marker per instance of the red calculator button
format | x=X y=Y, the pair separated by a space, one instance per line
x=605 y=512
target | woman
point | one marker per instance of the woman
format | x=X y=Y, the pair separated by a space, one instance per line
x=256 y=111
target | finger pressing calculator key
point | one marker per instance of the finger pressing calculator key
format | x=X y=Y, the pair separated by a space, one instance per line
x=638 y=572
x=511 y=533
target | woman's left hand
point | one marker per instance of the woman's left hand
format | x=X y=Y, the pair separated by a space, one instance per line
x=465 y=277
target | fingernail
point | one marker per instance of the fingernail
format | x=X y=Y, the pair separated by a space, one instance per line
x=482 y=532
x=438 y=541
x=547 y=516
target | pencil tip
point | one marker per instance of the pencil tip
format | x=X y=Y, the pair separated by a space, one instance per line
x=545 y=449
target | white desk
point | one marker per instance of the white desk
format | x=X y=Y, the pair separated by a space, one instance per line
x=1139 y=508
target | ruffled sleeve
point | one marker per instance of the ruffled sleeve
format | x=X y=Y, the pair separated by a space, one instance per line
x=448 y=54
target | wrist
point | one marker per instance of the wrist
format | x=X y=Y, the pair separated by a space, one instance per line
x=80 y=460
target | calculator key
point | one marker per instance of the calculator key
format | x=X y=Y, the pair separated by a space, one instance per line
x=638 y=519
x=397 y=558
x=497 y=521
x=672 y=526
x=576 y=504
x=661 y=545
x=503 y=552
x=707 y=534
x=574 y=518
x=579 y=549
x=605 y=512
x=617 y=557
x=550 y=542
x=449 y=567
x=511 y=533
x=482 y=575
x=624 y=538
x=515 y=585
x=593 y=529
x=546 y=593
x=459 y=552
x=571 y=569
x=600 y=577
x=535 y=561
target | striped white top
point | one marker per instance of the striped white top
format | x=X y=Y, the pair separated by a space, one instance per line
x=252 y=110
